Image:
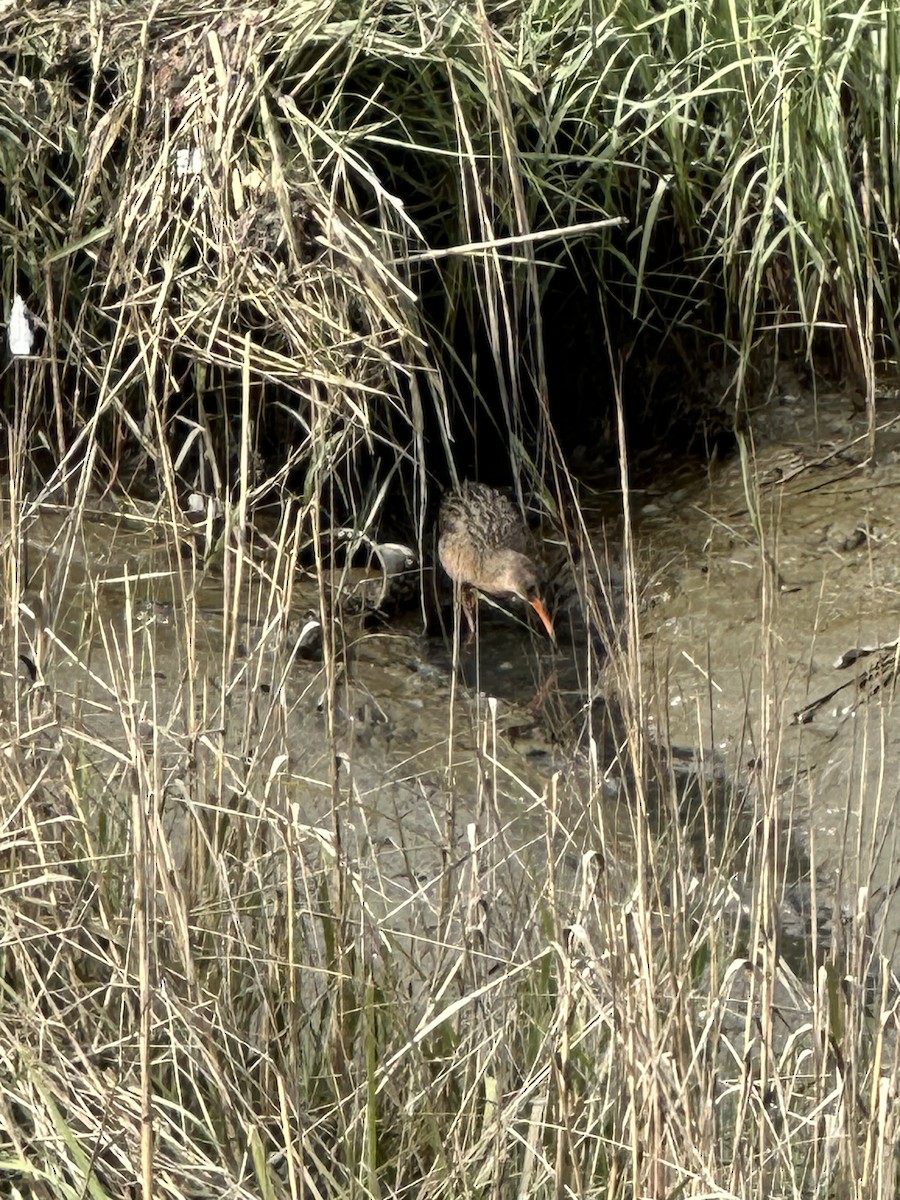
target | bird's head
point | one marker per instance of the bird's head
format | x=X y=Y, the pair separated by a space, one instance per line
x=514 y=574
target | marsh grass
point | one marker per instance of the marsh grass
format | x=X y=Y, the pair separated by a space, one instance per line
x=205 y=926
x=255 y=237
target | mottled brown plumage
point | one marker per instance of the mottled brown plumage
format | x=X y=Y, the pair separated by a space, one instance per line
x=482 y=544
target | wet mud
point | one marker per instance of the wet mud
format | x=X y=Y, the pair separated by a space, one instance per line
x=779 y=653
x=773 y=657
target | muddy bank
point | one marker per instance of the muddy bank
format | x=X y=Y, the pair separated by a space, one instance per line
x=752 y=662
x=782 y=659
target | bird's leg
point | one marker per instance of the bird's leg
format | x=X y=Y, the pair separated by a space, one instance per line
x=468 y=602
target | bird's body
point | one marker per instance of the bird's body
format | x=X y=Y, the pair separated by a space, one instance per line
x=482 y=544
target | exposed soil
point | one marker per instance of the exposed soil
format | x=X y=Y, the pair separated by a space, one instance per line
x=740 y=650
x=765 y=652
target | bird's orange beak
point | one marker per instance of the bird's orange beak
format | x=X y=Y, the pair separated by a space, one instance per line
x=538 y=607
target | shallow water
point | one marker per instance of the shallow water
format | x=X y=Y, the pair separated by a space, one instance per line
x=734 y=644
x=138 y=664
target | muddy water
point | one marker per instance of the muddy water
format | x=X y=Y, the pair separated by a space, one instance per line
x=740 y=650
x=138 y=660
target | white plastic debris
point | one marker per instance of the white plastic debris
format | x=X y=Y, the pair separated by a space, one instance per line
x=198 y=507
x=310 y=633
x=395 y=558
x=188 y=161
x=307 y=644
x=20 y=330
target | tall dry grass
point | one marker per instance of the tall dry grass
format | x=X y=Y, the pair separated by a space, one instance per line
x=254 y=236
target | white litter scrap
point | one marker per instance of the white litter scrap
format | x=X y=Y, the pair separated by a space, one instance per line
x=188 y=161
x=395 y=558
x=310 y=633
x=20 y=331
x=199 y=507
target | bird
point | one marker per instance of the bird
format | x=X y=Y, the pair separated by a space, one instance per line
x=482 y=545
